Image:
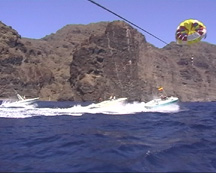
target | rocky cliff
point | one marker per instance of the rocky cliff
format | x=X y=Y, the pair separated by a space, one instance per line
x=88 y=62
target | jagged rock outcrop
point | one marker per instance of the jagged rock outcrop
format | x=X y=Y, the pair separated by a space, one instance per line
x=20 y=70
x=107 y=64
x=88 y=62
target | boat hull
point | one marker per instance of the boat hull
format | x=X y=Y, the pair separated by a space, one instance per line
x=28 y=100
x=160 y=102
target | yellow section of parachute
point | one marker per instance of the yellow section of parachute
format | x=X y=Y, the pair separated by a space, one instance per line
x=190 y=31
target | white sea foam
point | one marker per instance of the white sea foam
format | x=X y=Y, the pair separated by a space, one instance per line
x=126 y=108
x=17 y=104
x=26 y=111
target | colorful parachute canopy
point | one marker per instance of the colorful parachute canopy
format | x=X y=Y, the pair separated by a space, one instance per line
x=190 y=31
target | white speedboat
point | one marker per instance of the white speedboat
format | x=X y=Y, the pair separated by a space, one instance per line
x=107 y=103
x=161 y=102
x=21 y=102
x=24 y=100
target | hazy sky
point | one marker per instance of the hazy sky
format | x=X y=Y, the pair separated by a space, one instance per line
x=38 y=18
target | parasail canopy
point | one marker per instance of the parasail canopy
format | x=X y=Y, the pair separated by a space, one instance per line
x=190 y=31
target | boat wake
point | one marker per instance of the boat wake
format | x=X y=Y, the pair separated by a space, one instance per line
x=124 y=108
x=26 y=111
x=17 y=104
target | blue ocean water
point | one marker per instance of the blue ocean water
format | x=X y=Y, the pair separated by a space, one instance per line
x=66 y=137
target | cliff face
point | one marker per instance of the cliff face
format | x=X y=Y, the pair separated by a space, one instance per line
x=185 y=71
x=19 y=67
x=88 y=62
x=107 y=64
